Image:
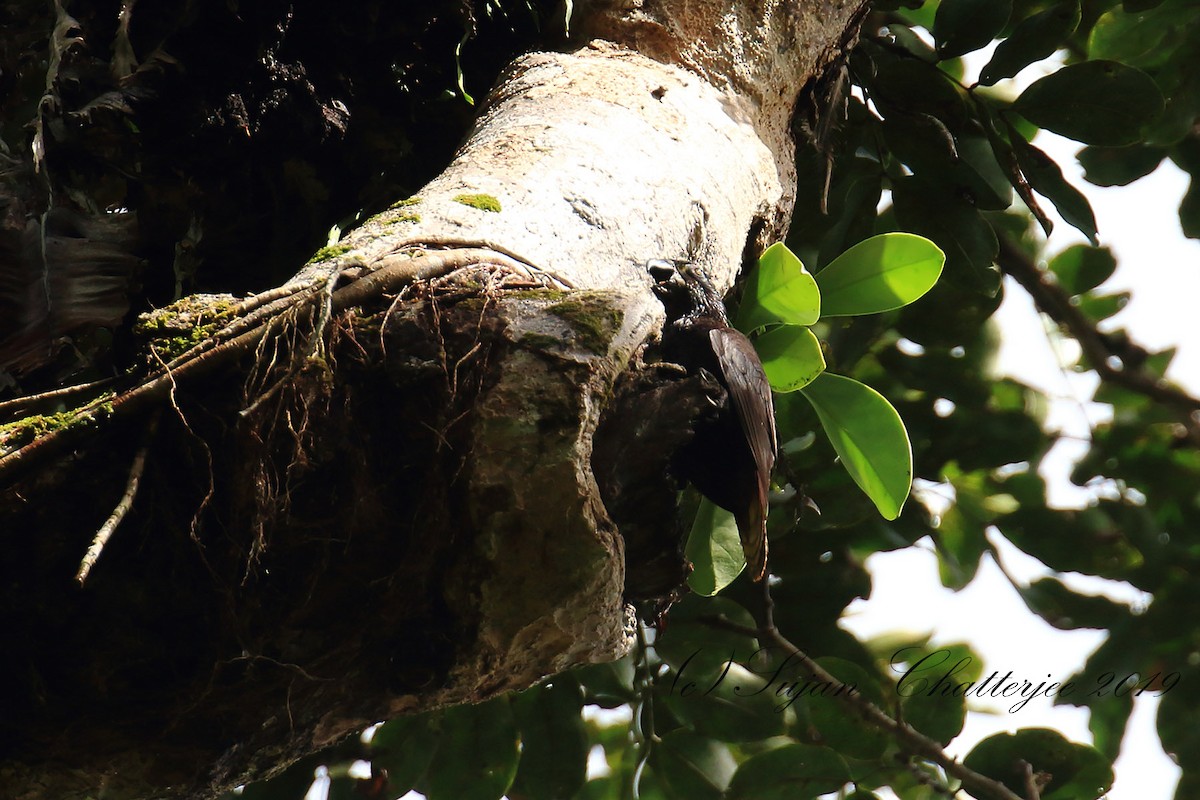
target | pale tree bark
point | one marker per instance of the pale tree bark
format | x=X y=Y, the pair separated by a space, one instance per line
x=374 y=491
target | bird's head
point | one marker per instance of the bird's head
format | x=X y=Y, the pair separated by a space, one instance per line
x=684 y=289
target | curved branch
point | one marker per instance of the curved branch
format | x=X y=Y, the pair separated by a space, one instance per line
x=1099 y=349
x=904 y=734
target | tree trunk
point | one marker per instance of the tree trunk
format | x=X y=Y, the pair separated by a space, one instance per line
x=380 y=495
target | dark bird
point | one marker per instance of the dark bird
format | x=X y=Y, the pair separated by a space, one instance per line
x=730 y=458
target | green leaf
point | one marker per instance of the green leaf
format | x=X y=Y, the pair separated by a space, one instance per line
x=608 y=685
x=1073 y=771
x=1046 y=178
x=955 y=226
x=1080 y=268
x=1189 y=211
x=791 y=357
x=1143 y=38
x=554 y=742
x=404 y=747
x=1096 y=102
x=880 y=274
x=693 y=766
x=695 y=650
x=940 y=718
x=477 y=756
x=965 y=25
x=846 y=732
x=914 y=87
x=780 y=290
x=715 y=548
x=734 y=705
x=789 y=772
x=1035 y=38
x=1119 y=166
x=1107 y=722
x=979 y=174
x=1064 y=609
x=868 y=436
x=906 y=38
x=1101 y=307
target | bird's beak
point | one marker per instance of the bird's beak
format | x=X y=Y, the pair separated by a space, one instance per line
x=663 y=272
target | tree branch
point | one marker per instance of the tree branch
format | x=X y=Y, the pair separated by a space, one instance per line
x=909 y=737
x=1099 y=349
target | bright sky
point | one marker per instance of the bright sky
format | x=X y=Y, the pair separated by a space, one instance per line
x=1162 y=269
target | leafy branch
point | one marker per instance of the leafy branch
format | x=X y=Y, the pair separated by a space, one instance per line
x=1115 y=359
x=905 y=735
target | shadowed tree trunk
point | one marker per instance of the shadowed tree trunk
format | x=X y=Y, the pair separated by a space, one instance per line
x=381 y=488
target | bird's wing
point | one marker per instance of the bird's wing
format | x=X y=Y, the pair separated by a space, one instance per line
x=751 y=395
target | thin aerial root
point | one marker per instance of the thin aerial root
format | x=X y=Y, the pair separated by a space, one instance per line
x=123 y=506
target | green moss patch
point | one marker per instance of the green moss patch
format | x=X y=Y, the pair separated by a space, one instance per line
x=484 y=202
x=593 y=320
x=23 y=431
x=328 y=252
x=179 y=327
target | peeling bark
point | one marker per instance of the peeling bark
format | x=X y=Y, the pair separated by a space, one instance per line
x=418 y=454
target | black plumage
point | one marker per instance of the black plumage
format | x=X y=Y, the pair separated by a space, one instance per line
x=730 y=457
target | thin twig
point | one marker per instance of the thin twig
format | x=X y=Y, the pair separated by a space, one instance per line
x=906 y=735
x=22 y=404
x=643 y=727
x=1031 y=785
x=123 y=506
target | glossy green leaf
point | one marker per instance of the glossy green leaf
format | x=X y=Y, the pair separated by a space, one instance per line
x=911 y=87
x=779 y=290
x=1181 y=88
x=1066 y=610
x=477 y=756
x=1119 y=166
x=1073 y=771
x=1101 y=307
x=1086 y=541
x=715 y=548
x=554 y=742
x=848 y=733
x=955 y=226
x=1096 y=102
x=404 y=747
x=960 y=537
x=910 y=41
x=884 y=272
x=1080 y=268
x=965 y=25
x=791 y=357
x=789 y=772
x=1144 y=38
x=1107 y=722
x=696 y=651
x=941 y=718
x=734 y=705
x=868 y=436
x=1189 y=211
x=1046 y=178
x=979 y=175
x=693 y=766
x=1035 y=38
